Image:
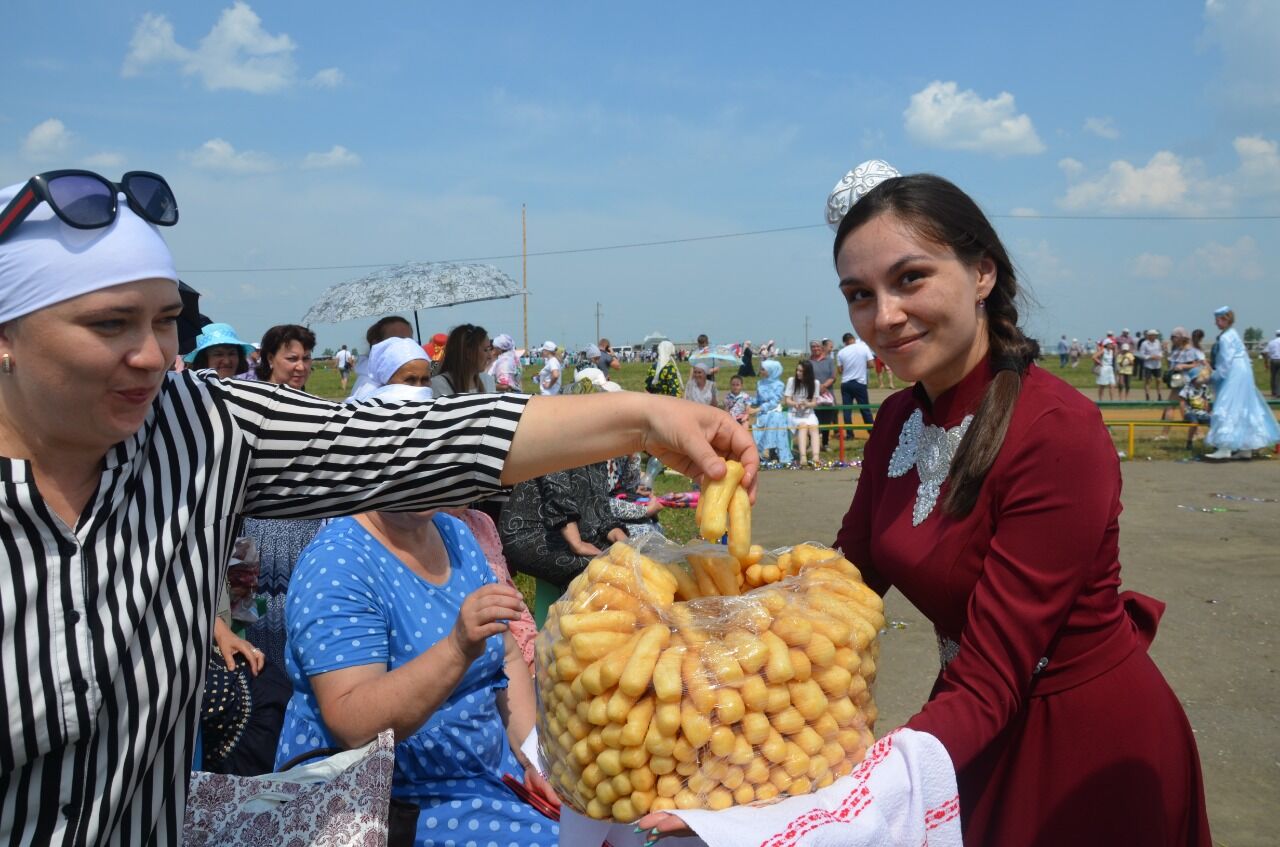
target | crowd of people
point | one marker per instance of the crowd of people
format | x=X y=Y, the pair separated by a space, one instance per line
x=801 y=409
x=368 y=544
x=1215 y=389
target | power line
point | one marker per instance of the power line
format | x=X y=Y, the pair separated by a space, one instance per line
x=745 y=234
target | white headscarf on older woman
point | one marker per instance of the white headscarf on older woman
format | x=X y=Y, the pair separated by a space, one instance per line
x=666 y=355
x=385 y=358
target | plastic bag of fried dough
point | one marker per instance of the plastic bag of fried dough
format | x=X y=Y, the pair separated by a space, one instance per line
x=683 y=677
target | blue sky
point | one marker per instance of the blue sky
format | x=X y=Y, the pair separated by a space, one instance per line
x=306 y=134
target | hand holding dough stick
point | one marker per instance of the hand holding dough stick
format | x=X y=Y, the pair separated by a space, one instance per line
x=715 y=502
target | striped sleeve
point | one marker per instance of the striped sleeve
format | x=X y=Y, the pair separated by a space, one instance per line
x=312 y=458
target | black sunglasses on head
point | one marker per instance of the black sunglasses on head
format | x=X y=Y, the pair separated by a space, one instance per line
x=85 y=200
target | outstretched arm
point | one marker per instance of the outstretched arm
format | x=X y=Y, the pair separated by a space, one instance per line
x=563 y=432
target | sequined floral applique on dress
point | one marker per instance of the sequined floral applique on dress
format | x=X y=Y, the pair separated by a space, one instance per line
x=929 y=449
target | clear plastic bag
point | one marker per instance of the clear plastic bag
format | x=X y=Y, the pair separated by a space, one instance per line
x=679 y=677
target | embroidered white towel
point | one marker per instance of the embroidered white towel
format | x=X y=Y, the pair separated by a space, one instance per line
x=904 y=793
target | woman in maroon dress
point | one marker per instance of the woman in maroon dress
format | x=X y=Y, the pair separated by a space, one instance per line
x=990 y=497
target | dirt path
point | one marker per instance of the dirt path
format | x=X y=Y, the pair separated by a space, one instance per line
x=1219 y=573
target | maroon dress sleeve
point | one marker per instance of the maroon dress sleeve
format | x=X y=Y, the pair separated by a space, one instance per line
x=1057 y=496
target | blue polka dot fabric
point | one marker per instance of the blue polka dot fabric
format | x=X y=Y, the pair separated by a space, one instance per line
x=351 y=602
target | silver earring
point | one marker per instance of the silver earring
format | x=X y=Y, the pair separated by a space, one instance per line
x=6 y=363
x=982 y=302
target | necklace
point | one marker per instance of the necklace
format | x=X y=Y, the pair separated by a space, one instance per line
x=929 y=449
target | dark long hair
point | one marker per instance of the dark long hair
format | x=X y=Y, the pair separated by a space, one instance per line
x=937 y=210
x=277 y=337
x=464 y=358
x=810 y=381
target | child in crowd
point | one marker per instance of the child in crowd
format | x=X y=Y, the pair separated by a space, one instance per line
x=1195 y=403
x=1125 y=363
x=737 y=402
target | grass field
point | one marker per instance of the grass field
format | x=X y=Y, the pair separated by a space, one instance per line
x=1150 y=442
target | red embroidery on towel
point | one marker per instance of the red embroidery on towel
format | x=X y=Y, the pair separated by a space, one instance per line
x=850 y=807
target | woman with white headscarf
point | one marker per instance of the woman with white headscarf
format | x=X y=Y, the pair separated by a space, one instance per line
x=506 y=369
x=122 y=484
x=664 y=376
x=398 y=361
x=700 y=389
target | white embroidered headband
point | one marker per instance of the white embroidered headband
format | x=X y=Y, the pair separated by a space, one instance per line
x=854 y=185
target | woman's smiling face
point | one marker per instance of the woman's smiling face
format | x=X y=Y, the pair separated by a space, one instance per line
x=914 y=302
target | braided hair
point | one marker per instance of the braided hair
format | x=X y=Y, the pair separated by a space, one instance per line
x=935 y=209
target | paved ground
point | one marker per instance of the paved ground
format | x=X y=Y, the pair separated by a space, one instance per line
x=1219 y=573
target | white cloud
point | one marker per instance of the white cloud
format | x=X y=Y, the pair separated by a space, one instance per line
x=328 y=78
x=1101 y=127
x=1024 y=212
x=152 y=41
x=1163 y=184
x=237 y=53
x=104 y=160
x=1239 y=260
x=1170 y=183
x=337 y=157
x=217 y=154
x=943 y=116
x=1259 y=171
x=1244 y=33
x=1071 y=167
x=1152 y=266
x=47 y=141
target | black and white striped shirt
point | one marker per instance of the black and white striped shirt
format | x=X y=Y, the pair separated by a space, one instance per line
x=104 y=630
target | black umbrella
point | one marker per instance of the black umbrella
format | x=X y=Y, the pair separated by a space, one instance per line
x=190 y=322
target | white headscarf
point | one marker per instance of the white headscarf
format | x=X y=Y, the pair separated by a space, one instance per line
x=385 y=358
x=504 y=342
x=666 y=355
x=594 y=374
x=44 y=261
x=401 y=393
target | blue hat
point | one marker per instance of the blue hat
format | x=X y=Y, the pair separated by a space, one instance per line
x=215 y=335
x=1222 y=310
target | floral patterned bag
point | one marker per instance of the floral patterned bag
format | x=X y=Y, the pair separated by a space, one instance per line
x=339 y=801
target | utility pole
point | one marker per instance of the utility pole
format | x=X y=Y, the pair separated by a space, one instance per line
x=597 y=320
x=806 y=332
x=524 y=271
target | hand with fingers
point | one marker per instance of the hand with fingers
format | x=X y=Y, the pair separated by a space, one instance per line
x=537 y=784
x=695 y=439
x=662 y=825
x=229 y=644
x=485 y=612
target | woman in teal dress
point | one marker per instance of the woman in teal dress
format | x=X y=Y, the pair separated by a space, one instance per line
x=396 y=620
x=1242 y=422
x=772 y=427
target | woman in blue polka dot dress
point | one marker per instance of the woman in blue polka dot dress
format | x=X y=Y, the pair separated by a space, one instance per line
x=396 y=620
